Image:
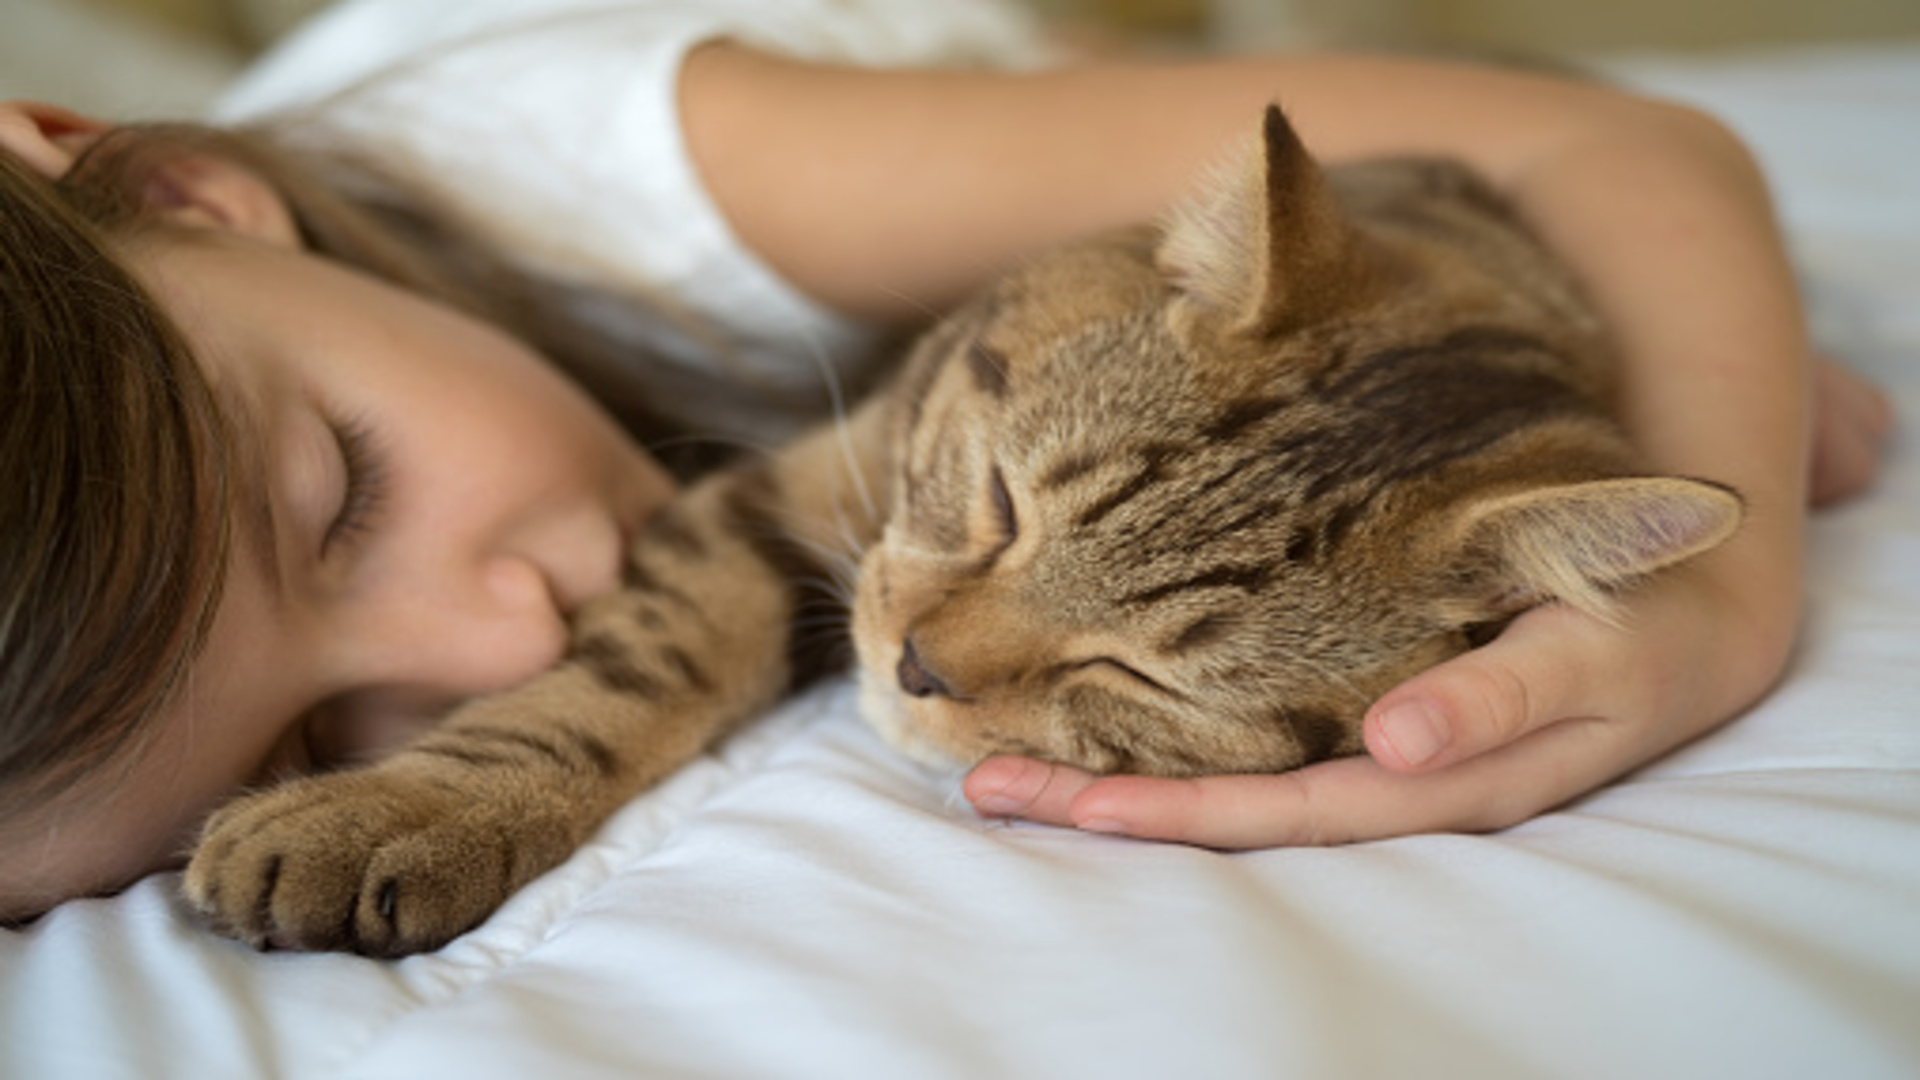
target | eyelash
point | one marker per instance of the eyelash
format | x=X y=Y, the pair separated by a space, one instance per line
x=366 y=469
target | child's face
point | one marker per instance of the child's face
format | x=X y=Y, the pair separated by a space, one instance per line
x=425 y=502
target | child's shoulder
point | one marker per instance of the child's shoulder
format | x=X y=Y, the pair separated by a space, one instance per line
x=396 y=41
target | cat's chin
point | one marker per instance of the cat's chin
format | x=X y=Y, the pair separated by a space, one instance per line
x=885 y=710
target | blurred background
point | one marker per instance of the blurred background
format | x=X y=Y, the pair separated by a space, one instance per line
x=129 y=58
x=1553 y=27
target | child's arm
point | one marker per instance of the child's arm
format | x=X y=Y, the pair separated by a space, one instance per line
x=882 y=193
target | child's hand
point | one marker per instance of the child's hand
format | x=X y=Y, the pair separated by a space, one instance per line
x=1556 y=706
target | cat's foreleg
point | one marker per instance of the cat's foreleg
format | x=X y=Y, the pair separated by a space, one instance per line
x=403 y=855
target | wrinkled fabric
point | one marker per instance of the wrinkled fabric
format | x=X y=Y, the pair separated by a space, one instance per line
x=803 y=903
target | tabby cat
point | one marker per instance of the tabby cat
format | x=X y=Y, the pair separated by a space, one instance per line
x=1173 y=500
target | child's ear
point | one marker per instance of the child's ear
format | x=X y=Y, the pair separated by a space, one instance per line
x=188 y=188
x=205 y=191
x=46 y=137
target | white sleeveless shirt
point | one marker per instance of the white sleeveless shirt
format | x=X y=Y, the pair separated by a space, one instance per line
x=554 y=125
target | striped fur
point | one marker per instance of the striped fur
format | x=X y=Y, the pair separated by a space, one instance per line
x=1173 y=500
x=1319 y=432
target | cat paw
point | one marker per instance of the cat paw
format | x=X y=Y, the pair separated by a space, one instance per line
x=362 y=862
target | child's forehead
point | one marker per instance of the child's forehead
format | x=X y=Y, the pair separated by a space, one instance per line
x=250 y=389
x=244 y=461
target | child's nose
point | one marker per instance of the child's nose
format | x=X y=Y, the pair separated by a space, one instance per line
x=465 y=633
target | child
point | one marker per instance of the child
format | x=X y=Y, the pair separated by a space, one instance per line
x=310 y=430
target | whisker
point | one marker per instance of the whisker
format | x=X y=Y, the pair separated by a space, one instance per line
x=917 y=304
x=853 y=548
x=832 y=642
x=824 y=625
x=836 y=396
x=740 y=443
x=839 y=592
x=842 y=564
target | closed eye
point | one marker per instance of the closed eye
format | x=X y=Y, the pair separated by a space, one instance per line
x=1004 y=516
x=365 y=485
x=1121 y=667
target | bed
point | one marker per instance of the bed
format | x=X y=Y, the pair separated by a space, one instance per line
x=803 y=903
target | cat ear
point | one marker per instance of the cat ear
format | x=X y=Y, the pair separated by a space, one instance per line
x=1578 y=543
x=1263 y=244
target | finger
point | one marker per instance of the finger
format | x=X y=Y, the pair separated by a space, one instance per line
x=1853 y=419
x=1356 y=799
x=1844 y=465
x=1230 y=812
x=1538 y=671
x=1025 y=788
x=1862 y=401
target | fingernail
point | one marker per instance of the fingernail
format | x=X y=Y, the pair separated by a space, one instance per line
x=1415 y=730
x=998 y=805
x=993 y=788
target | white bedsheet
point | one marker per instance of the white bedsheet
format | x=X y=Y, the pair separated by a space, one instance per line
x=804 y=904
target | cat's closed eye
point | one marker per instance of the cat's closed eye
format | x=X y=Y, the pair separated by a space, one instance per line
x=1125 y=670
x=1004 y=516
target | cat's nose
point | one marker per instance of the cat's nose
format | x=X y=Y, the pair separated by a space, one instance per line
x=914 y=677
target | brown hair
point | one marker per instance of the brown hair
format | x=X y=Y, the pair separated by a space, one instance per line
x=112 y=485
x=114 y=481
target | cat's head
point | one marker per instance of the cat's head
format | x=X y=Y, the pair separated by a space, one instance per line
x=1187 y=499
